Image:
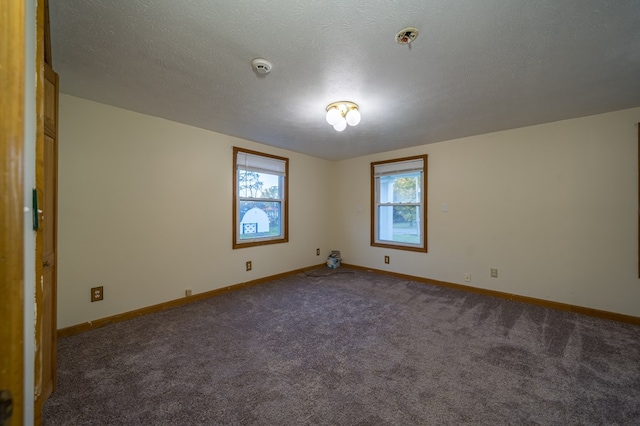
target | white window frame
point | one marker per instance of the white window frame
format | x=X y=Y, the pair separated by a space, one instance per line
x=397 y=167
x=248 y=160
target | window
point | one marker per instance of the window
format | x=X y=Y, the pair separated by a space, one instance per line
x=399 y=203
x=260 y=191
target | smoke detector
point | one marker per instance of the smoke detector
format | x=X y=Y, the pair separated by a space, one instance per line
x=407 y=35
x=261 y=66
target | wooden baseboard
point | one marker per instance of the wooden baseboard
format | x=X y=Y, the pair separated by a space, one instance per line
x=79 y=328
x=90 y=325
x=613 y=316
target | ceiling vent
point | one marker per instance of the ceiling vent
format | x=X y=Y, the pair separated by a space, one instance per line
x=407 y=35
x=261 y=66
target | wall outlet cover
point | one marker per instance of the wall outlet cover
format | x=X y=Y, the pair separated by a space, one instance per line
x=97 y=294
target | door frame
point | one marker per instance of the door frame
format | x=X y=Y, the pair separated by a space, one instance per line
x=12 y=142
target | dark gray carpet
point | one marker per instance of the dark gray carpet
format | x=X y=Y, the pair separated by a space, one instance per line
x=350 y=347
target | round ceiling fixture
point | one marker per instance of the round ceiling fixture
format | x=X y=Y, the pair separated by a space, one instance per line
x=339 y=114
x=407 y=35
x=261 y=66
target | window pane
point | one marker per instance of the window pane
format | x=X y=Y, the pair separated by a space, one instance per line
x=400 y=188
x=399 y=203
x=258 y=184
x=259 y=199
x=259 y=219
x=400 y=224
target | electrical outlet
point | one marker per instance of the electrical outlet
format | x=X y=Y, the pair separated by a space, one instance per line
x=248 y=265
x=317 y=252
x=494 y=273
x=467 y=277
x=187 y=292
x=97 y=294
x=386 y=259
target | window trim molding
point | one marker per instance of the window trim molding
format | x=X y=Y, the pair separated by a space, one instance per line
x=237 y=243
x=423 y=196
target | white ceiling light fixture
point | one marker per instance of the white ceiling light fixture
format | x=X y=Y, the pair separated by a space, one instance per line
x=339 y=114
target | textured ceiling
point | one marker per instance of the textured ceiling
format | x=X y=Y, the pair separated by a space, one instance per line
x=476 y=67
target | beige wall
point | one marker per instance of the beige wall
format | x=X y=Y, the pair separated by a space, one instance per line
x=553 y=207
x=145 y=211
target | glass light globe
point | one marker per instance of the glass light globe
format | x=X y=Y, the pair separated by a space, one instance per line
x=353 y=117
x=333 y=116
x=341 y=125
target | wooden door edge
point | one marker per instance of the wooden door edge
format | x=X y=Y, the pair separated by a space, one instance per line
x=12 y=113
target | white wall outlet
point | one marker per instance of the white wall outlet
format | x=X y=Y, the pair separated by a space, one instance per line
x=467 y=277
x=494 y=273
